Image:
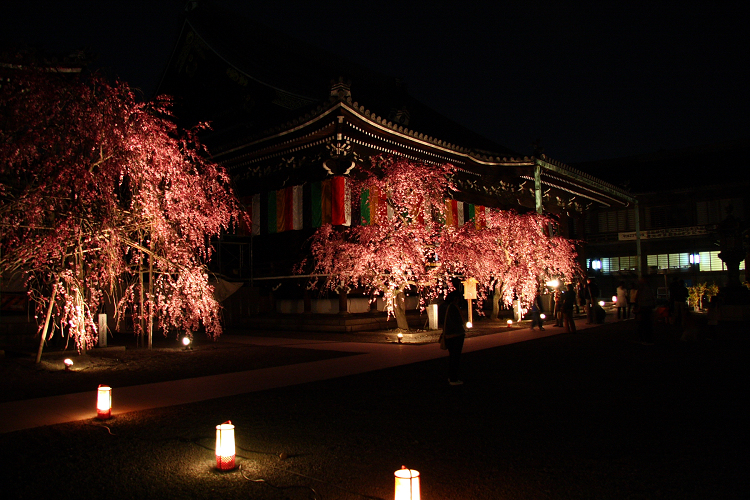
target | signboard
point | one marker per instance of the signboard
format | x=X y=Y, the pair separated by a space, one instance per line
x=470 y=288
x=670 y=232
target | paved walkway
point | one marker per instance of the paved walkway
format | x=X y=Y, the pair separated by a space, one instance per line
x=26 y=414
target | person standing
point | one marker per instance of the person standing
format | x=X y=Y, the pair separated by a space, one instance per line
x=569 y=303
x=558 y=307
x=645 y=301
x=454 y=334
x=536 y=313
x=622 y=301
x=680 y=296
x=592 y=295
x=632 y=291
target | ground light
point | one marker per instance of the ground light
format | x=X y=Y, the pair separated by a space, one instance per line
x=601 y=303
x=509 y=322
x=400 y=337
x=186 y=342
x=407 y=484
x=225 y=446
x=68 y=363
x=614 y=298
x=104 y=402
x=469 y=324
x=543 y=316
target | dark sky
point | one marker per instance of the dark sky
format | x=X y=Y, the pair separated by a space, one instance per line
x=594 y=81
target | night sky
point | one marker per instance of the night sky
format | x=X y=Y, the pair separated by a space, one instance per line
x=595 y=81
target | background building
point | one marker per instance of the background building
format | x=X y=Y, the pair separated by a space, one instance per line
x=683 y=196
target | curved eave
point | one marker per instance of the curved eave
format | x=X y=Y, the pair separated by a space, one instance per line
x=358 y=119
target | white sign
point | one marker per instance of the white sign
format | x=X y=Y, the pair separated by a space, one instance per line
x=670 y=232
x=631 y=236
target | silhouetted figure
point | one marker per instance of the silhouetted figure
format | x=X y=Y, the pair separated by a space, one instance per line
x=569 y=304
x=536 y=313
x=645 y=302
x=454 y=333
x=632 y=291
x=679 y=295
x=592 y=295
x=558 y=307
x=622 y=301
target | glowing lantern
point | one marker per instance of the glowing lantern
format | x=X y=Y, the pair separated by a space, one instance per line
x=509 y=322
x=225 y=446
x=68 y=363
x=407 y=484
x=543 y=316
x=601 y=303
x=614 y=298
x=400 y=337
x=469 y=324
x=104 y=402
x=553 y=283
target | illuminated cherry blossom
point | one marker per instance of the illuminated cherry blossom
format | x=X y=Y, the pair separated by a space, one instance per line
x=103 y=195
x=410 y=247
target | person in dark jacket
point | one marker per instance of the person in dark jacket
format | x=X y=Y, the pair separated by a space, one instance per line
x=645 y=302
x=536 y=313
x=454 y=333
x=569 y=303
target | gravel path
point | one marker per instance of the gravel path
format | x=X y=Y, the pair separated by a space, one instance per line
x=591 y=415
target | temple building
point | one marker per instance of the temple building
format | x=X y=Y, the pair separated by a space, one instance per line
x=292 y=124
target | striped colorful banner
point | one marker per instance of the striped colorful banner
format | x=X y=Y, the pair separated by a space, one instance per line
x=373 y=206
x=454 y=213
x=457 y=213
x=477 y=213
x=331 y=202
x=285 y=209
x=341 y=201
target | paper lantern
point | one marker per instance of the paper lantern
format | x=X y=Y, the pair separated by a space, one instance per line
x=225 y=446
x=509 y=322
x=407 y=484
x=104 y=402
x=68 y=363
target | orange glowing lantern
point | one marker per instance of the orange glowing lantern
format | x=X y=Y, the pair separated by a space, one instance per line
x=407 y=484
x=104 y=402
x=225 y=446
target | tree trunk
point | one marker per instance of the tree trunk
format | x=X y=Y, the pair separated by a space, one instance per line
x=151 y=300
x=399 y=310
x=496 y=297
x=46 y=324
x=140 y=309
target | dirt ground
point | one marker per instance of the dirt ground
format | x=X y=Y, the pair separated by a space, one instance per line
x=124 y=364
x=590 y=415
